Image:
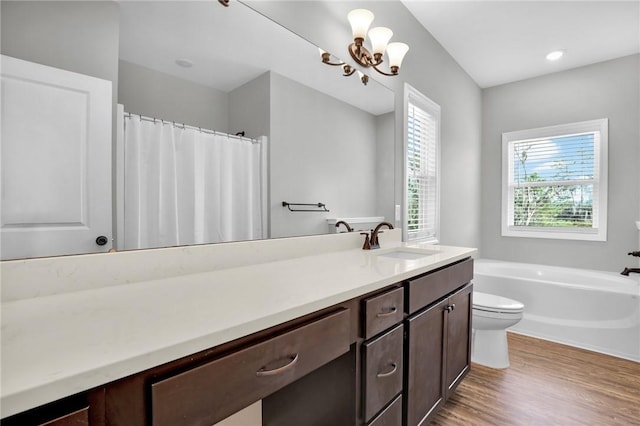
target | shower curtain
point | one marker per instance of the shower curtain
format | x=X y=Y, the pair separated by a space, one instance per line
x=183 y=185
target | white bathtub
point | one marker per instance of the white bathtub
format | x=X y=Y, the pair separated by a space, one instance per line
x=594 y=310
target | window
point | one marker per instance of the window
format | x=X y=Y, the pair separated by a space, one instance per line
x=554 y=182
x=422 y=178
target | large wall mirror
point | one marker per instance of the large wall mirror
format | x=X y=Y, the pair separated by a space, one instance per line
x=198 y=66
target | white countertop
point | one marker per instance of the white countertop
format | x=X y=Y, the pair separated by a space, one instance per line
x=60 y=344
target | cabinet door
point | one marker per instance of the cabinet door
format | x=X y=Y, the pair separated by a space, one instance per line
x=458 y=343
x=424 y=360
x=56 y=161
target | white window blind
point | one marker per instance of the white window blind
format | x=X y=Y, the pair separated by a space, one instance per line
x=422 y=163
x=554 y=182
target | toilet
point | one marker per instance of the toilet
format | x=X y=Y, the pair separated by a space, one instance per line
x=492 y=315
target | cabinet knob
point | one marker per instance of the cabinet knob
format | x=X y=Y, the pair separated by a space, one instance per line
x=102 y=240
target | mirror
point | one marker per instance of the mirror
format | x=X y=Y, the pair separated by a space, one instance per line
x=330 y=137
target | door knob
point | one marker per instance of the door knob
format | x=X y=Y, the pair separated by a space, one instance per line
x=102 y=240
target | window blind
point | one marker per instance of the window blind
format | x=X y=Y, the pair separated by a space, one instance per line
x=422 y=173
x=554 y=181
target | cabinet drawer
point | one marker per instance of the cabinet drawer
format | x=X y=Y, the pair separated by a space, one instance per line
x=209 y=393
x=78 y=418
x=391 y=416
x=382 y=372
x=383 y=311
x=429 y=288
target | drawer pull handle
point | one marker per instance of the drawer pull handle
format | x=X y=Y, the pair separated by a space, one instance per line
x=386 y=314
x=292 y=361
x=394 y=368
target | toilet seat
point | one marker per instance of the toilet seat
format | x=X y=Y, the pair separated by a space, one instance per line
x=497 y=304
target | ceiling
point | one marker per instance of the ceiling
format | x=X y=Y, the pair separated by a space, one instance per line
x=224 y=55
x=498 y=42
x=495 y=42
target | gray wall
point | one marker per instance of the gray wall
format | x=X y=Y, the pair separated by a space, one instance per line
x=385 y=164
x=148 y=92
x=605 y=90
x=431 y=70
x=249 y=107
x=75 y=36
x=312 y=162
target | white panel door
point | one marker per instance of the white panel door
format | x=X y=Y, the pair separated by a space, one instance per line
x=55 y=161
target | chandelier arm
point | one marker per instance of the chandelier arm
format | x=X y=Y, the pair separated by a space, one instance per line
x=360 y=54
x=385 y=73
x=326 y=59
x=348 y=70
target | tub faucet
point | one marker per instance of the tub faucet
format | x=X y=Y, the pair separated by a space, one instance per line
x=628 y=270
x=346 y=225
x=634 y=270
x=374 y=243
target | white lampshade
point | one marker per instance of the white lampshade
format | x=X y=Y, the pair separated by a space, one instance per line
x=379 y=37
x=360 y=19
x=396 y=52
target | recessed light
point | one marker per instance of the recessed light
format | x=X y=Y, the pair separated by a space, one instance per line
x=555 y=55
x=185 y=63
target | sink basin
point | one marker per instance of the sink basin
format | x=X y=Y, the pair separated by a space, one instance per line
x=407 y=254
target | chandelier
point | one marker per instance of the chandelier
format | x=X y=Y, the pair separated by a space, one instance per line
x=360 y=20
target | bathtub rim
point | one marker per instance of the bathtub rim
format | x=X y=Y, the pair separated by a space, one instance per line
x=621 y=284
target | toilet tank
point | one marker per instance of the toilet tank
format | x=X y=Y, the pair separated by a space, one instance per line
x=365 y=223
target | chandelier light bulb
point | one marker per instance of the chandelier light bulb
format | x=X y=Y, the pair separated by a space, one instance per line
x=396 y=52
x=379 y=37
x=360 y=20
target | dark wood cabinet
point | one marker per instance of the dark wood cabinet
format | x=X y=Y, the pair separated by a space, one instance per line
x=438 y=354
x=390 y=416
x=383 y=311
x=209 y=393
x=424 y=390
x=77 y=418
x=382 y=370
x=458 y=338
x=387 y=358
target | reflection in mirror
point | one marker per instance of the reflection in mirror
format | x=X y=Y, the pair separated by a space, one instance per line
x=323 y=137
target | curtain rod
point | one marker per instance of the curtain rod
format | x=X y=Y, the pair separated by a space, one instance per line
x=186 y=126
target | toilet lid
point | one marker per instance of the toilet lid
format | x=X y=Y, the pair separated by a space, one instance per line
x=491 y=302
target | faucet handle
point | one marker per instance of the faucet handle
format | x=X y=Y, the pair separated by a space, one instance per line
x=367 y=242
x=634 y=253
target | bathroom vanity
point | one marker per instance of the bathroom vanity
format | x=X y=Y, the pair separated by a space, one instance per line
x=335 y=337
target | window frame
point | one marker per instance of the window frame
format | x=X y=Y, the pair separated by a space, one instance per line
x=598 y=232
x=415 y=97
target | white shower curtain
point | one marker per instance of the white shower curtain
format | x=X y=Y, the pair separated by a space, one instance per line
x=187 y=186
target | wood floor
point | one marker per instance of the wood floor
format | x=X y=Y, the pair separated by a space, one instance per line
x=547 y=384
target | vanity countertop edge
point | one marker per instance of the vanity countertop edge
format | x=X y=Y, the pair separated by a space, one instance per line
x=61 y=344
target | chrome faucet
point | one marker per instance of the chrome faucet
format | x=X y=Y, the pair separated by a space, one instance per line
x=372 y=241
x=634 y=270
x=342 y=222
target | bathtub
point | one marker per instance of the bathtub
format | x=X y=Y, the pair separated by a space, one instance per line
x=594 y=310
